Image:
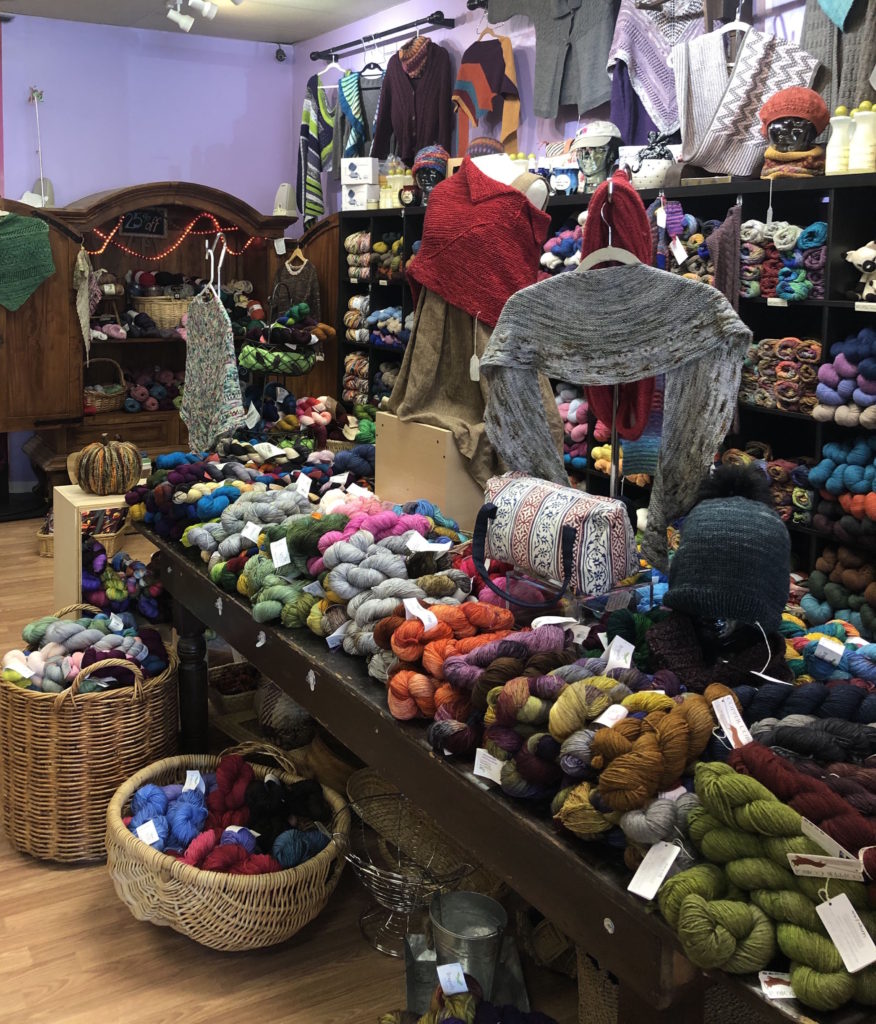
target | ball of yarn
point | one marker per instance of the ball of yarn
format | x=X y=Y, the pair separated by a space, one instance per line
x=295 y=846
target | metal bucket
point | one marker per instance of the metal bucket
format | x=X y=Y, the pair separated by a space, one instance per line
x=467 y=928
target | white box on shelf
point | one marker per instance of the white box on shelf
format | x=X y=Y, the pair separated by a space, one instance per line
x=359 y=171
x=359 y=197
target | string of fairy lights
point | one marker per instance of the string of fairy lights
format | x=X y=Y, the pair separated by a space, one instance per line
x=109 y=238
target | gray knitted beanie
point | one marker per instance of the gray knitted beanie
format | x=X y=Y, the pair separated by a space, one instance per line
x=733 y=562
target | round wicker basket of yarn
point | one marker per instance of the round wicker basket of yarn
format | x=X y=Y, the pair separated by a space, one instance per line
x=223 y=911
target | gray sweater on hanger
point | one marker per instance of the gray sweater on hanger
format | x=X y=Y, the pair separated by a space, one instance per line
x=616 y=326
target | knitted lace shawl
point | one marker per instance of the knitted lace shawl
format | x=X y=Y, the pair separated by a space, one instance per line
x=720 y=127
x=614 y=326
x=25 y=258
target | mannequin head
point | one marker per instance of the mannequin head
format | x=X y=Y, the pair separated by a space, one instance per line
x=596 y=149
x=430 y=168
x=792 y=119
x=427 y=178
x=791 y=134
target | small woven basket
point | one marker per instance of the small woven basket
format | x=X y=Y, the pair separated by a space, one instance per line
x=222 y=911
x=226 y=700
x=97 y=399
x=165 y=310
x=64 y=755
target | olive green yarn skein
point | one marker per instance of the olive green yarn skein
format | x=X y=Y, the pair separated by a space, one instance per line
x=737 y=937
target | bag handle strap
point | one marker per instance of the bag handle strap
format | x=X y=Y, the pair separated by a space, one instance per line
x=486 y=515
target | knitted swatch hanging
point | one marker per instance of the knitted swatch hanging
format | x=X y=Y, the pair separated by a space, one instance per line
x=25 y=258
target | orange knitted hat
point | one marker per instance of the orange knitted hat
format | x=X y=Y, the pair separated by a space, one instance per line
x=795 y=102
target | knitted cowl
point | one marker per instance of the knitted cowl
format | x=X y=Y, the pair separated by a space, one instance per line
x=617 y=325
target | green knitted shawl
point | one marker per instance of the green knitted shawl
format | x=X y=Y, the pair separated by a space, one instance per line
x=25 y=258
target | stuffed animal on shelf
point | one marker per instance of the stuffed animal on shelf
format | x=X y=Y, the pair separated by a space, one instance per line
x=864 y=261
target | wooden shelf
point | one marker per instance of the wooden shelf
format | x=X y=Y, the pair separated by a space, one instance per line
x=131 y=342
x=776 y=412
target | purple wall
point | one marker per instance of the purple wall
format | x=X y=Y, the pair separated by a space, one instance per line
x=533 y=130
x=125 y=106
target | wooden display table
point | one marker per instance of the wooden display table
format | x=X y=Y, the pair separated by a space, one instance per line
x=581 y=888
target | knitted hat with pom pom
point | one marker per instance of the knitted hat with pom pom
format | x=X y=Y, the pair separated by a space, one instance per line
x=733 y=561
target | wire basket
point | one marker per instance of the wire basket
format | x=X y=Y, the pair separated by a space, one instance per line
x=397 y=862
x=97 y=399
x=166 y=311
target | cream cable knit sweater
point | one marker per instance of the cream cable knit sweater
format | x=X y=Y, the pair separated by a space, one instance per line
x=615 y=326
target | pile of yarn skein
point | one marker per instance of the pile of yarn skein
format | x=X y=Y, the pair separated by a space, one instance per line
x=781 y=373
x=356 y=330
x=847 y=385
x=122 y=583
x=842 y=583
x=151 y=390
x=360 y=258
x=782 y=260
x=388 y=257
x=562 y=251
x=354 y=386
x=388 y=328
x=573 y=409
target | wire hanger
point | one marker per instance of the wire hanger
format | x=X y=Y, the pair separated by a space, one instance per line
x=215 y=265
x=737 y=25
x=333 y=65
x=608 y=253
x=372 y=65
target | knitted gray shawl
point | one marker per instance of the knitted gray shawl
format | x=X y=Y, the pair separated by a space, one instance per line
x=615 y=326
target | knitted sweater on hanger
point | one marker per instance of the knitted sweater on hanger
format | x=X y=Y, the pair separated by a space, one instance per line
x=611 y=326
x=486 y=81
x=314 y=150
x=720 y=127
x=299 y=285
x=25 y=258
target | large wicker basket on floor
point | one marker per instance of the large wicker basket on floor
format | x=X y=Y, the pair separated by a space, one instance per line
x=225 y=912
x=65 y=754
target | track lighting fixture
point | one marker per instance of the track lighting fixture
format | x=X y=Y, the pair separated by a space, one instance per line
x=205 y=8
x=183 y=21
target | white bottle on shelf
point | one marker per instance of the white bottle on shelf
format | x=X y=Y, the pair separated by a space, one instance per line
x=836 y=155
x=862 y=151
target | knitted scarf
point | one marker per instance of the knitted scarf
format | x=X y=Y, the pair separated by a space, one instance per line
x=25 y=258
x=720 y=127
x=618 y=325
x=350 y=100
x=413 y=56
x=315 y=146
x=806 y=163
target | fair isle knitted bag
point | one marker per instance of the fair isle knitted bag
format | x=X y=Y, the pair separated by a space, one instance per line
x=557 y=534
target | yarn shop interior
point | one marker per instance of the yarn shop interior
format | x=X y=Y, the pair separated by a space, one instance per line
x=438 y=511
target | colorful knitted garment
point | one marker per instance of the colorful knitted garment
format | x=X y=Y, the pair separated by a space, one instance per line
x=487 y=80
x=25 y=258
x=350 y=100
x=315 y=146
x=413 y=56
x=807 y=163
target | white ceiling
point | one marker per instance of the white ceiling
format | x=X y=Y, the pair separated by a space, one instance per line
x=273 y=21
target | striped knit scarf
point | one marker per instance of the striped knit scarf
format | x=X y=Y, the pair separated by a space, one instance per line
x=315 y=146
x=350 y=100
x=413 y=56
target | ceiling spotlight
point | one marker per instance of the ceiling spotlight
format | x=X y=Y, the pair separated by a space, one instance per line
x=184 y=21
x=206 y=8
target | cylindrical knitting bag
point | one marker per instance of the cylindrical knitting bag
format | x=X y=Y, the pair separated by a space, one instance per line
x=573 y=540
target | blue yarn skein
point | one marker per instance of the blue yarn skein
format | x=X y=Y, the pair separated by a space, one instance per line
x=149 y=800
x=239 y=836
x=161 y=827
x=813 y=236
x=186 y=817
x=295 y=846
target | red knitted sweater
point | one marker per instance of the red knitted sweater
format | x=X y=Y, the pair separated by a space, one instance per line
x=481 y=243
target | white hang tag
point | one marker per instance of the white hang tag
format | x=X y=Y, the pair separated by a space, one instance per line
x=813 y=865
x=280 y=553
x=611 y=716
x=252 y=416
x=24 y=670
x=660 y=216
x=731 y=722
x=653 y=870
x=776 y=985
x=251 y=531
x=358 y=491
x=678 y=250
x=194 y=780
x=830 y=650
x=337 y=638
x=414 y=610
x=673 y=794
x=302 y=484
x=451 y=978
x=315 y=589
x=620 y=654
x=474 y=368
x=241 y=828
x=280 y=246
x=418 y=543
x=603 y=639
x=282 y=395
x=774 y=300
x=219 y=465
x=115 y=623
x=148 y=832
x=487 y=766
x=271 y=777
x=771 y=679
x=268 y=450
x=383 y=282
x=847 y=932
x=341 y=479
x=818 y=836
x=553 y=620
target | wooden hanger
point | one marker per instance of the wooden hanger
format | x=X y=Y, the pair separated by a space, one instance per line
x=297 y=254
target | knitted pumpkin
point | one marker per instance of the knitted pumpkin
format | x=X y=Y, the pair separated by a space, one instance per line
x=108 y=467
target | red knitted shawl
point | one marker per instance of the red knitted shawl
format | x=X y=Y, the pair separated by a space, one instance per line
x=481 y=243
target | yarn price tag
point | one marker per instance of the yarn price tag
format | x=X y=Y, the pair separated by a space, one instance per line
x=611 y=716
x=315 y=589
x=115 y=623
x=772 y=300
x=148 y=832
x=818 y=836
x=776 y=985
x=282 y=395
x=620 y=654
x=865 y=307
x=194 y=780
x=280 y=553
x=847 y=933
x=660 y=216
x=474 y=369
x=487 y=766
x=252 y=416
x=653 y=869
x=280 y=246
x=337 y=638
x=268 y=450
x=813 y=866
x=302 y=484
x=359 y=492
x=251 y=531
x=579 y=632
x=451 y=978
x=414 y=610
x=417 y=543
x=676 y=247
x=341 y=479
x=731 y=722
x=830 y=650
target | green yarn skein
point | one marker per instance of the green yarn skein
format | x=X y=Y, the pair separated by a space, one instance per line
x=737 y=937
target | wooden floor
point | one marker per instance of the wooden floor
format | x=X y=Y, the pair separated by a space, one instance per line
x=71 y=953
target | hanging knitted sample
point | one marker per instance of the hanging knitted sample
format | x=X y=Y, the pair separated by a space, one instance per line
x=25 y=258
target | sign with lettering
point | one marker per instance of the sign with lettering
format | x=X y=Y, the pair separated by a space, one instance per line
x=149 y=223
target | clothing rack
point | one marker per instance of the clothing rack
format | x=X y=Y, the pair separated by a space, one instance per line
x=474 y=5
x=436 y=20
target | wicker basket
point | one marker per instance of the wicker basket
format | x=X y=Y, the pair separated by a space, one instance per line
x=166 y=311
x=226 y=912
x=230 y=703
x=97 y=399
x=64 y=754
x=448 y=854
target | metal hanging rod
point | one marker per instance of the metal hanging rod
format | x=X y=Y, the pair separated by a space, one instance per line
x=435 y=19
x=474 y=5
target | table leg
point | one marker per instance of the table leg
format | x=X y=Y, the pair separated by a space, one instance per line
x=192 y=651
x=633 y=1009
